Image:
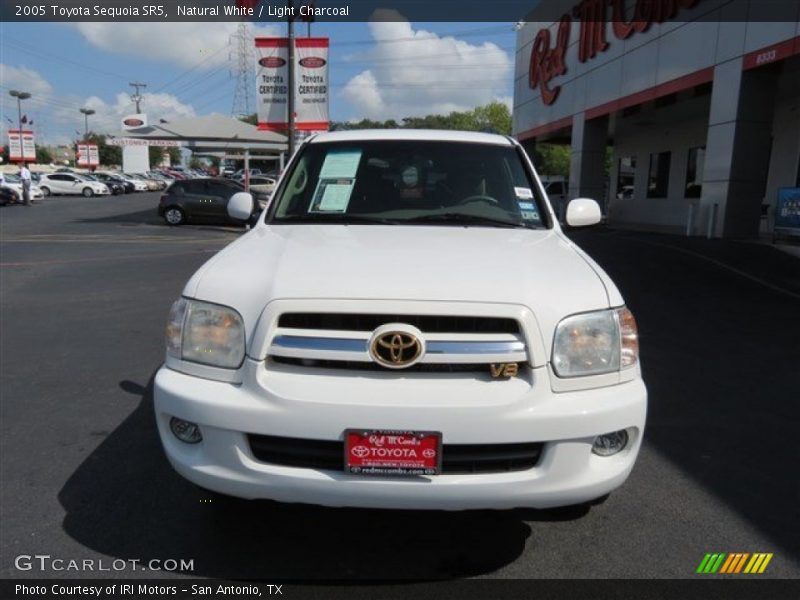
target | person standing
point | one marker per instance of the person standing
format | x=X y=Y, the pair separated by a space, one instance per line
x=25 y=176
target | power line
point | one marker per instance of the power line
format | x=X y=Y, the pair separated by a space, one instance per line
x=190 y=69
x=34 y=51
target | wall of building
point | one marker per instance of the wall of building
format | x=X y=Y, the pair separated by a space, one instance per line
x=667 y=51
x=785 y=155
x=675 y=129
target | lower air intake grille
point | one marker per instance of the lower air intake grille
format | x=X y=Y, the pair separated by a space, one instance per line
x=456 y=458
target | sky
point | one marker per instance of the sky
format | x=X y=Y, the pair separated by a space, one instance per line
x=378 y=70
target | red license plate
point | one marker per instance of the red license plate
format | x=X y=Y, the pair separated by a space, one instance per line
x=379 y=452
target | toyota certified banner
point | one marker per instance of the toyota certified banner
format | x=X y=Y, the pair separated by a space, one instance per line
x=21 y=147
x=272 y=87
x=88 y=155
x=310 y=85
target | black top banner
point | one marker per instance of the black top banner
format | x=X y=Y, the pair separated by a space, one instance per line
x=511 y=11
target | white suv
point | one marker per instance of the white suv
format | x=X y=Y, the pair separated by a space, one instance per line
x=405 y=327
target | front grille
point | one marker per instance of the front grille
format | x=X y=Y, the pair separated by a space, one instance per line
x=354 y=365
x=456 y=458
x=370 y=322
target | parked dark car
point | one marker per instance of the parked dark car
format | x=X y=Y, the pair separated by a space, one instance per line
x=200 y=200
x=8 y=196
x=115 y=184
x=126 y=186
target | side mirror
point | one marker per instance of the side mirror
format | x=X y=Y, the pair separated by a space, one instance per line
x=582 y=212
x=240 y=206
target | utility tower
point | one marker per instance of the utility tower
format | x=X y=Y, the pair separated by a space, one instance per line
x=136 y=96
x=241 y=58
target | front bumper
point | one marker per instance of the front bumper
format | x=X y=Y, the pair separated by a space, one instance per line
x=321 y=405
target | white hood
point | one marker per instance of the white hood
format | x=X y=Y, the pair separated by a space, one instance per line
x=536 y=268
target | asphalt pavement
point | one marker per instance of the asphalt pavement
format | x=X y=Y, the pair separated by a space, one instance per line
x=85 y=286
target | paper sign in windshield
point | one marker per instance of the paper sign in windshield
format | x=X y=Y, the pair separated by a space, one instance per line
x=332 y=195
x=340 y=164
x=523 y=193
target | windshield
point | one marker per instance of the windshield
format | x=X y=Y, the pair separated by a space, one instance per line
x=409 y=182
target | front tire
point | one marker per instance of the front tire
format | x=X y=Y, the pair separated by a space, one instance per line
x=174 y=216
x=87 y=192
x=45 y=191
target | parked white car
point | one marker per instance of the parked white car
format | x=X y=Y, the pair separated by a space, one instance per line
x=71 y=183
x=406 y=327
x=13 y=182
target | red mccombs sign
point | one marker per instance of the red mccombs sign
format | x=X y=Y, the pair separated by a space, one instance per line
x=548 y=62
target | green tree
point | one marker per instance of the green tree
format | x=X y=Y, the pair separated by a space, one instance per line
x=197 y=163
x=43 y=155
x=108 y=155
x=251 y=119
x=174 y=155
x=156 y=155
x=493 y=117
x=552 y=159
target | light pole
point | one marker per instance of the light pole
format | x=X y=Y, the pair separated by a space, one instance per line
x=20 y=96
x=86 y=112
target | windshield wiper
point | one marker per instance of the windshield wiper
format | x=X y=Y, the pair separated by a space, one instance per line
x=464 y=219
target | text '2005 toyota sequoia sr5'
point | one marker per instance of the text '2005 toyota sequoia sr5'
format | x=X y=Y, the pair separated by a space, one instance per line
x=405 y=327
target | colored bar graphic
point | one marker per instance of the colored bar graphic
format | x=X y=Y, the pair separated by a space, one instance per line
x=703 y=563
x=741 y=562
x=734 y=562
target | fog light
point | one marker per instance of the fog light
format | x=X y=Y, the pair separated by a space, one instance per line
x=185 y=431
x=610 y=443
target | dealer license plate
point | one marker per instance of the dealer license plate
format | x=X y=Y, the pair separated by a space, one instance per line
x=384 y=452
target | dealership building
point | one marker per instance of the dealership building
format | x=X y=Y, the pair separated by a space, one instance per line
x=697 y=99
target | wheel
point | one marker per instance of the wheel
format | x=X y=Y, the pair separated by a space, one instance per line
x=174 y=216
x=87 y=192
x=45 y=191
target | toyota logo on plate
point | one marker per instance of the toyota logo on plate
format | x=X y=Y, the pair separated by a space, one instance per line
x=359 y=451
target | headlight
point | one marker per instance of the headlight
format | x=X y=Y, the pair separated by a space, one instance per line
x=595 y=343
x=205 y=333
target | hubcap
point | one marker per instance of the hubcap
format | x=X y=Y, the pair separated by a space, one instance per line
x=174 y=216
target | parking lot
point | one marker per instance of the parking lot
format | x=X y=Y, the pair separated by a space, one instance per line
x=85 y=287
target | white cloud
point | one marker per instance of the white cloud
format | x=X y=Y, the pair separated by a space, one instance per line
x=424 y=73
x=183 y=44
x=57 y=117
x=156 y=106
x=24 y=79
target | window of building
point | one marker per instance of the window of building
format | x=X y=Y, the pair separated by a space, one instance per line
x=658 y=181
x=626 y=173
x=694 y=172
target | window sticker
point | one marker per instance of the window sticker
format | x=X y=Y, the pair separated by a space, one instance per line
x=523 y=192
x=340 y=164
x=530 y=215
x=526 y=206
x=332 y=196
